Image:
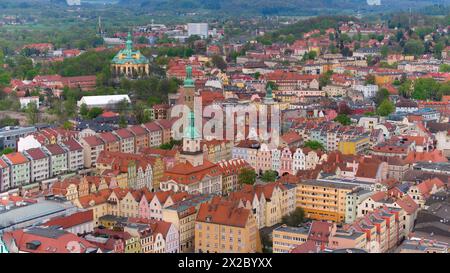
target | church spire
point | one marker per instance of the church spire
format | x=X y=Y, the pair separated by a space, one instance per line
x=129 y=43
x=188 y=81
x=191 y=131
x=269 y=92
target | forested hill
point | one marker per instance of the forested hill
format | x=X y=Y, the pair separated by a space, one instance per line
x=275 y=7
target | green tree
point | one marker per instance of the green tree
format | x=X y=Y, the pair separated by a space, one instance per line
x=84 y=111
x=269 y=176
x=219 y=62
x=414 y=47
x=426 y=88
x=325 y=78
x=370 y=79
x=385 y=108
x=6 y=151
x=444 y=68
x=247 y=176
x=32 y=112
x=381 y=95
x=122 y=121
x=314 y=144
x=384 y=51
x=95 y=112
x=295 y=218
x=67 y=125
x=343 y=119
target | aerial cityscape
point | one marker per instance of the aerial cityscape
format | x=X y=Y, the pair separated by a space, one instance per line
x=202 y=126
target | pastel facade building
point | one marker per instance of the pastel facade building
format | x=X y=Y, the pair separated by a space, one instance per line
x=4 y=176
x=92 y=146
x=75 y=155
x=39 y=164
x=154 y=134
x=140 y=137
x=19 y=169
x=58 y=159
x=183 y=215
x=112 y=141
x=221 y=227
x=127 y=140
x=285 y=238
x=323 y=200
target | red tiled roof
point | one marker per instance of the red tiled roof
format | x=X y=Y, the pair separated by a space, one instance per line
x=124 y=133
x=73 y=145
x=223 y=213
x=93 y=141
x=72 y=220
x=47 y=244
x=36 y=153
x=108 y=137
x=55 y=149
x=17 y=158
x=138 y=130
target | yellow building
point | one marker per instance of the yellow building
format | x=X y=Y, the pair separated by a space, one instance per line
x=182 y=215
x=354 y=146
x=323 y=199
x=222 y=227
x=97 y=202
x=285 y=238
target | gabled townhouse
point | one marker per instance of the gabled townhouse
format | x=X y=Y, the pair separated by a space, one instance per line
x=155 y=134
x=39 y=164
x=256 y=202
x=246 y=150
x=140 y=137
x=75 y=154
x=67 y=188
x=152 y=203
x=58 y=159
x=381 y=199
x=97 y=202
x=156 y=236
x=222 y=227
x=141 y=171
x=183 y=214
x=19 y=169
x=112 y=141
x=422 y=191
x=230 y=170
x=126 y=140
x=216 y=150
x=92 y=146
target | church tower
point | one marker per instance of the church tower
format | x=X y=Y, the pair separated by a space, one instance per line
x=189 y=89
x=192 y=150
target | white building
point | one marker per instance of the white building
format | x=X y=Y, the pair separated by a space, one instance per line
x=27 y=100
x=369 y=91
x=109 y=101
x=28 y=142
x=200 y=29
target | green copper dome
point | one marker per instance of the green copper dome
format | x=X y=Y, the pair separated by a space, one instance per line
x=128 y=55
